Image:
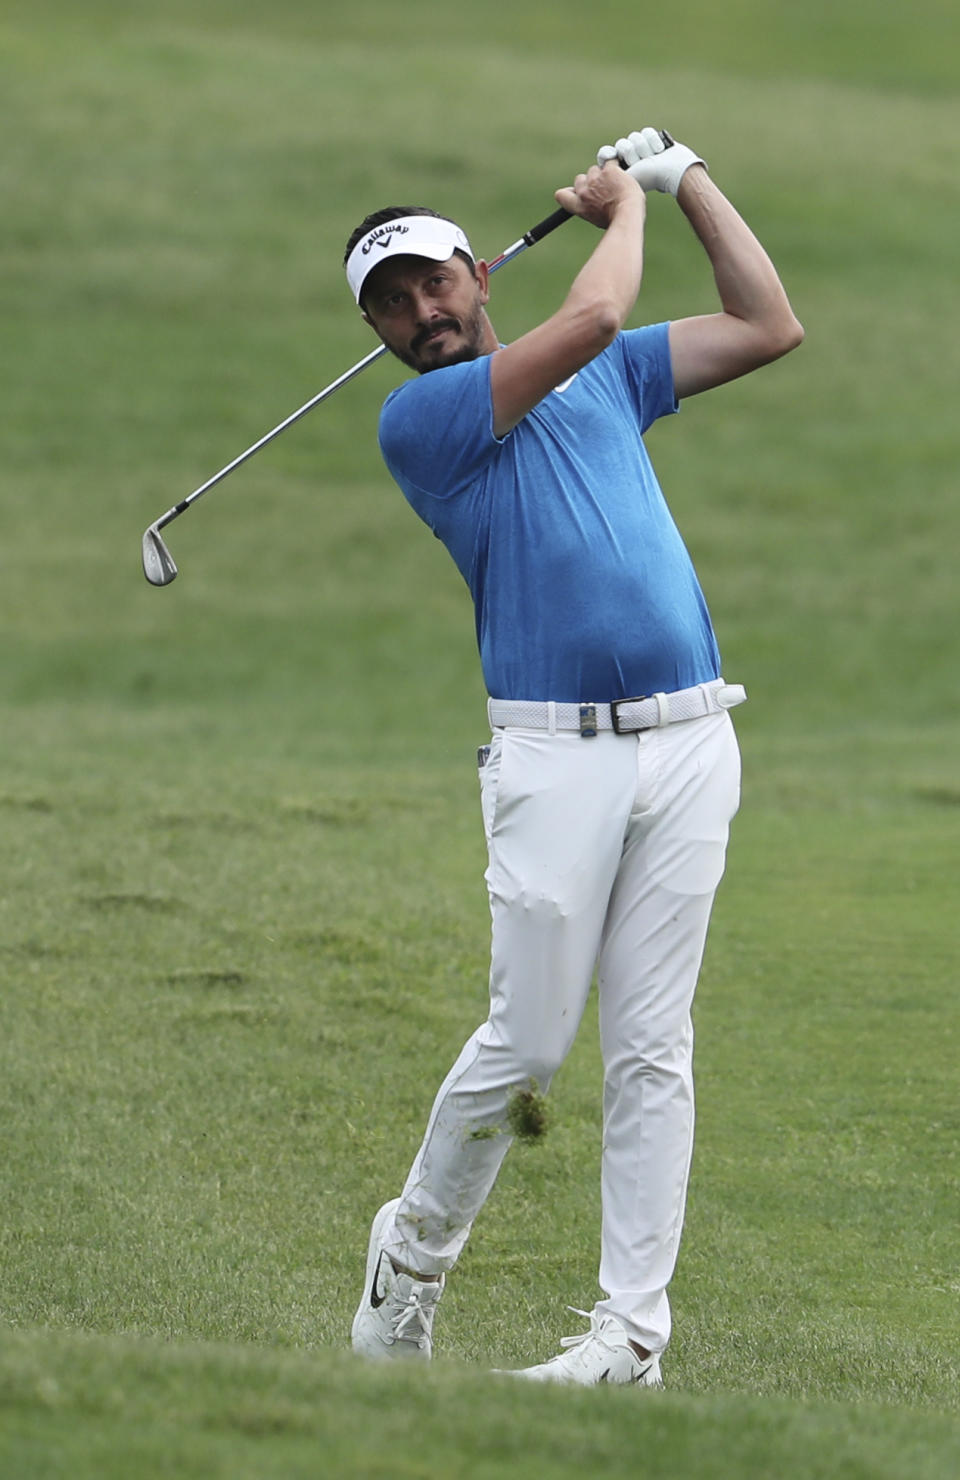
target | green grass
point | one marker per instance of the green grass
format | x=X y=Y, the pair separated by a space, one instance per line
x=201 y=1410
x=242 y=921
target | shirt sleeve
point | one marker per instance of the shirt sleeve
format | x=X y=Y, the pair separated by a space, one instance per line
x=649 y=370
x=436 y=432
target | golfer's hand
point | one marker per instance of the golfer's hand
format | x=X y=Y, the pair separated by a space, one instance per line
x=598 y=195
x=652 y=163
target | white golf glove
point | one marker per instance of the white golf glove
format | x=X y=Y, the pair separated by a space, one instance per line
x=653 y=163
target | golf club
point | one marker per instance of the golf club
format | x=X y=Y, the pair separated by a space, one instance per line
x=159 y=566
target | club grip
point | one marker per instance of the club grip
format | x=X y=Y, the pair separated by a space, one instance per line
x=550 y=223
x=543 y=228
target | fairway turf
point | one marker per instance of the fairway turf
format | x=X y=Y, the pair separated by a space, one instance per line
x=202 y=1411
x=243 y=929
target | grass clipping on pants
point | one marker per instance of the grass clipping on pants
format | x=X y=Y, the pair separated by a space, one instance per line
x=528 y=1118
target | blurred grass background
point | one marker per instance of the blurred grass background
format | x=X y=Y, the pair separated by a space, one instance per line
x=242 y=921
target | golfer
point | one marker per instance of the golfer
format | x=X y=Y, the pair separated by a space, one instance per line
x=612 y=772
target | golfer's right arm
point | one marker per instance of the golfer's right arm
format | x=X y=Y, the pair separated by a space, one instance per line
x=594 y=311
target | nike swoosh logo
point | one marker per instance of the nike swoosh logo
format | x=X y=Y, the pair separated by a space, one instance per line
x=603 y=1376
x=565 y=384
x=377 y=1300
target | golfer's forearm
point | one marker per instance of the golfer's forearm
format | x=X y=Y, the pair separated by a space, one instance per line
x=589 y=319
x=607 y=285
x=747 y=281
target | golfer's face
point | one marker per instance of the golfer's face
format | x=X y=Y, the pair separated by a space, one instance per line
x=429 y=314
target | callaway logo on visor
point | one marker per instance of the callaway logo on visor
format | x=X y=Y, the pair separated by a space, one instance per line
x=416 y=236
x=381 y=237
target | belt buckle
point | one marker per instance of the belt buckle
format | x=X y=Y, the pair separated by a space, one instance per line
x=615 y=715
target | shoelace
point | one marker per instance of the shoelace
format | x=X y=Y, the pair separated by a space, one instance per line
x=411 y=1313
x=594 y=1331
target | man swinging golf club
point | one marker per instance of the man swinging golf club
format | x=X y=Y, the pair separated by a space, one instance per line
x=612 y=772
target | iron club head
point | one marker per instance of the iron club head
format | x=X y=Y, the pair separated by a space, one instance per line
x=159 y=566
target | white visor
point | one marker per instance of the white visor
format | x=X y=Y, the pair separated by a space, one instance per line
x=413 y=236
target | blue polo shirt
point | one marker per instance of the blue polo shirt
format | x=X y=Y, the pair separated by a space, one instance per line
x=582 y=587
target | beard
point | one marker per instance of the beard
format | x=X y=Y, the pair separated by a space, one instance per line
x=423 y=354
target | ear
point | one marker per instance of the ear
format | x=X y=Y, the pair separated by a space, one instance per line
x=482 y=274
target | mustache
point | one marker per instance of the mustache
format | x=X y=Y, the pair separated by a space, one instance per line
x=419 y=340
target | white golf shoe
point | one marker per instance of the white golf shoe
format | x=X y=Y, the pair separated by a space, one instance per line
x=602 y=1354
x=395 y=1316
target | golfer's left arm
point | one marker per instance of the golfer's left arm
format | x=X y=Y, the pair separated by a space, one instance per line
x=756 y=323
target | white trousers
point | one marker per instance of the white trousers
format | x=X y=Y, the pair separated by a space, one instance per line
x=604 y=853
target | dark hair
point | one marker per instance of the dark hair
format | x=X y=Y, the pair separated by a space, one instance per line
x=393 y=213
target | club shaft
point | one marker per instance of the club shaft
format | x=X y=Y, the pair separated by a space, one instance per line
x=529 y=239
x=269 y=436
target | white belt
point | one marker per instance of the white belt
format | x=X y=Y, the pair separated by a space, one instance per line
x=623 y=715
